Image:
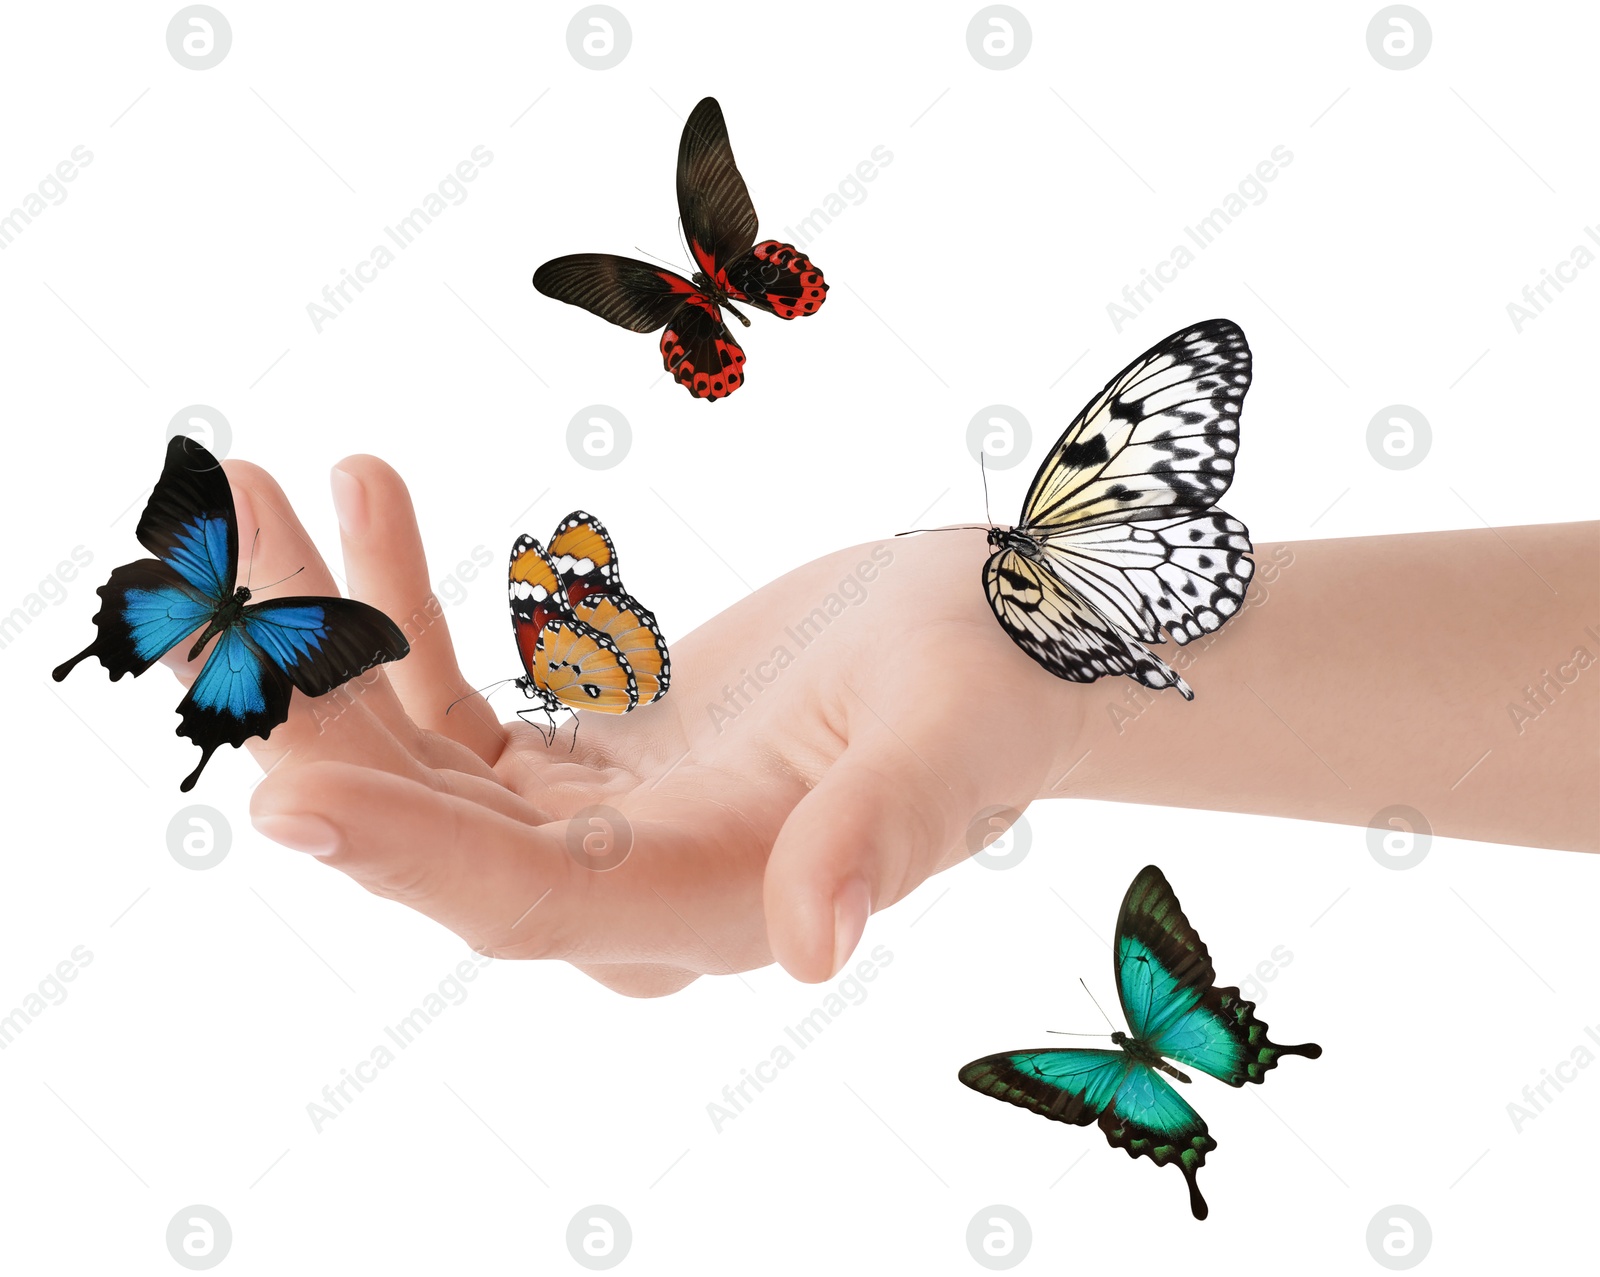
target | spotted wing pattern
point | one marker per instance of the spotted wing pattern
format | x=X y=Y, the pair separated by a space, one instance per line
x=719 y=223
x=582 y=669
x=637 y=636
x=1157 y=442
x=535 y=595
x=700 y=352
x=584 y=557
x=585 y=643
x=778 y=278
x=1120 y=518
x=1061 y=631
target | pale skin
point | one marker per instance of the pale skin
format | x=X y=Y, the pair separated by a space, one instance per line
x=767 y=825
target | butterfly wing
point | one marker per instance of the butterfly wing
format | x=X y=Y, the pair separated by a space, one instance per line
x=633 y=630
x=700 y=352
x=719 y=221
x=1185 y=575
x=582 y=668
x=1136 y=1110
x=1167 y=986
x=621 y=290
x=189 y=522
x=1147 y=1118
x=1120 y=511
x=1061 y=631
x=244 y=688
x=536 y=597
x=1074 y=1085
x=319 y=643
x=1158 y=442
x=779 y=279
x=584 y=557
x=586 y=562
x=236 y=696
x=148 y=606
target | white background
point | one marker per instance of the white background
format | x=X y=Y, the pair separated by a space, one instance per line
x=977 y=270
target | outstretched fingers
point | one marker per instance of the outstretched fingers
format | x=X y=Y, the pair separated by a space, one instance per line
x=508 y=884
x=496 y=881
x=362 y=718
x=384 y=556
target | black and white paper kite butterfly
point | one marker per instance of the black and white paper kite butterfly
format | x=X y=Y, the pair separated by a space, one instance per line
x=1119 y=539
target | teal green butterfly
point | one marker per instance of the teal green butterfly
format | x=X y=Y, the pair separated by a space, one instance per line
x=1165 y=981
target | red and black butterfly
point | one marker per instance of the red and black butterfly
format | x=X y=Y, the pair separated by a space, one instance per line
x=719 y=222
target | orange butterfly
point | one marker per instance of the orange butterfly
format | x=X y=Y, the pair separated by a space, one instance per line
x=585 y=642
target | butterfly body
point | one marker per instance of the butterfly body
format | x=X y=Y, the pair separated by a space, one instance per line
x=1119 y=540
x=1145 y=1054
x=585 y=642
x=223 y=619
x=1165 y=982
x=719 y=223
x=262 y=651
x=1002 y=539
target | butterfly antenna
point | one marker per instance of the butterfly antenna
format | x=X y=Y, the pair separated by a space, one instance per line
x=250 y=569
x=1097 y=1007
x=984 y=471
x=476 y=692
x=658 y=258
x=282 y=579
x=1063 y=1033
x=956 y=527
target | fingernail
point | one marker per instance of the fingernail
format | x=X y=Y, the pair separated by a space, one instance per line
x=349 y=502
x=851 y=906
x=310 y=834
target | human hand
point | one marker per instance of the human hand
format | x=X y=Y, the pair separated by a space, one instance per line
x=821 y=752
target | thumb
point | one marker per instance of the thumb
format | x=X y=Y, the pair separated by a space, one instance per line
x=879 y=822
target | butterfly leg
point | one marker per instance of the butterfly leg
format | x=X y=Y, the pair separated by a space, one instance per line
x=546 y=733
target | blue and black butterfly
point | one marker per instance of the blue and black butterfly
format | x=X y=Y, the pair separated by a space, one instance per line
x=1165 y=982
x=263 y=650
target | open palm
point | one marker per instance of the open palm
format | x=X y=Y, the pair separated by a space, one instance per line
x=814 y=760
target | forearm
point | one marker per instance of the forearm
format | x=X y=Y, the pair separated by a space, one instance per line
x=1457 y=673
